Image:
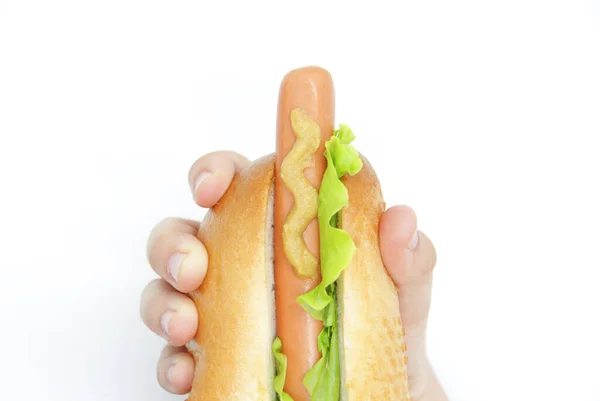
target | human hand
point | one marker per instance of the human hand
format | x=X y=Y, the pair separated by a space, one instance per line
x=180 y=259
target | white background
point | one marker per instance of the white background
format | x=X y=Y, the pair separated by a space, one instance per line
x=484 y=116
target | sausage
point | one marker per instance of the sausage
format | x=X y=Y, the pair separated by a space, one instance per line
x=305 y=92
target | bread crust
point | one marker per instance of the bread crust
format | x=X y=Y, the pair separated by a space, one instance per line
x=372 y=348
x=232 y=348
x=236 y=313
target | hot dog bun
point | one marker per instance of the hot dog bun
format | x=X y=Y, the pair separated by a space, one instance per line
x=372 y=348
x=236 y=303
x=264 y=331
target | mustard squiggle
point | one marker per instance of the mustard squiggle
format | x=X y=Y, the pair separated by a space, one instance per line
x=304 y=210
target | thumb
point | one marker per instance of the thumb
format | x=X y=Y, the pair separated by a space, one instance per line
x=409 y=256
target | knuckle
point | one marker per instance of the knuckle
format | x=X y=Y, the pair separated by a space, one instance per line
x=160 y=234
x=151 y=295
x=150 y=289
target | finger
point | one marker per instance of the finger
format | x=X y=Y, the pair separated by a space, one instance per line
x=175 y=370
x=210 y=176
x=168 y=313
x=409 y=257
x=177 y=255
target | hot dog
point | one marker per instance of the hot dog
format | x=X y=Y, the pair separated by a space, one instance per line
x=304 y=94
x=296 y=304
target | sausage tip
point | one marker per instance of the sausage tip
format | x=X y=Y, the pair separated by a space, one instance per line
x=306 y=88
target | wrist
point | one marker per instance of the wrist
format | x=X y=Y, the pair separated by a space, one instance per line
x=427 y=387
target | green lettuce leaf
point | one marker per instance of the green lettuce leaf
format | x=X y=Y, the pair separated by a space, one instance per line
x=337 y=250
x=323 y=380
x=280 y=370
x=336 y=245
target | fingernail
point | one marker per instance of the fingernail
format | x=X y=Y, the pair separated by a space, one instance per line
x=174 y=263
x=165 y=319
x=414 y=241
x=171 y=372
x=201 y=178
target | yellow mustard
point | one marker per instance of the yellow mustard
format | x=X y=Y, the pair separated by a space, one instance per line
x=304 y=210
